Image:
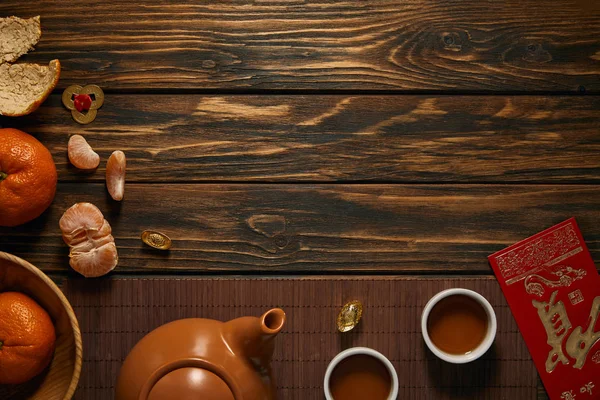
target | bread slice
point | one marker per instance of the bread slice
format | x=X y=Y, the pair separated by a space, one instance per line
x=17 y=37
x=23 y=87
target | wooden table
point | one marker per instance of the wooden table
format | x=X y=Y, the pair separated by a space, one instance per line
x=397 y=137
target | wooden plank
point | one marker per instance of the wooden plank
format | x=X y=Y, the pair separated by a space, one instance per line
x=283 y=228
x=185 y=138
x=511 y=45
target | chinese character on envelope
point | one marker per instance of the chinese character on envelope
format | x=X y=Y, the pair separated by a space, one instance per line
x=553 y=290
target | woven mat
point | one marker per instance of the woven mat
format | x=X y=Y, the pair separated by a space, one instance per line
x=115 y=313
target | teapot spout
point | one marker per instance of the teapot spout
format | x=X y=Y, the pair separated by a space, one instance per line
x=252 y=337
x=272 y=321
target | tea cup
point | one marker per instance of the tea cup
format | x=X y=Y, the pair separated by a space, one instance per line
x=488 y=337
x=364 y=351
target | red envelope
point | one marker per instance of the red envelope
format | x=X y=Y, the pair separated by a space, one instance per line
x=553 y=290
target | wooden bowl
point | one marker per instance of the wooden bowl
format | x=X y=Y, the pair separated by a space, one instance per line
x=59 y=380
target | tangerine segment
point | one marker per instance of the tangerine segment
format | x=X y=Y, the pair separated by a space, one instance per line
x=95 y=262
x=27 y=338
x=81 y=217
x=81 y=153
x=115 y=175
x=90 y=239
x=93 y=252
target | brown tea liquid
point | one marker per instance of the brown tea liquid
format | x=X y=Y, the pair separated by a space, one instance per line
x=360 y=377
x=457 y=324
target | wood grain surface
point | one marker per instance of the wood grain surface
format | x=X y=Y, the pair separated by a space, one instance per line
x=190 y=138
x=511 y=45
x=283 y=228
x=274 y=137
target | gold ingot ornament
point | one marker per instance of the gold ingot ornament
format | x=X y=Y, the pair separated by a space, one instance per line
x=157 y=240
x=83 y=102
x=350 y=315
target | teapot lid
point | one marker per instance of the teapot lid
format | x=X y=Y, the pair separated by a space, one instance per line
x=191 y=379
x=191 y=383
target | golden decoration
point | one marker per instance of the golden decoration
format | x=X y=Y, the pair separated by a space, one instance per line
x=534 y=283
x=349 y=316
x=579 y=342
x=550 y=314
x=157 y=240
x=553 y=315
x=558 y=244
x=96 y=94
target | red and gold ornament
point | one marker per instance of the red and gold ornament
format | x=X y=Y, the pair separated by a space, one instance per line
x=83 y=102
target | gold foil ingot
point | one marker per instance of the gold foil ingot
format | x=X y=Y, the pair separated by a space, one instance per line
x=97 y=102
x=350 y=315
x=156 y=239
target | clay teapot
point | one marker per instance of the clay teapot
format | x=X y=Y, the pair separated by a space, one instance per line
x=204 y=359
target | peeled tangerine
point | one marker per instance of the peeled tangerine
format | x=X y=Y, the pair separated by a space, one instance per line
x=81 y=153
x=115 y=175
x=93 y=251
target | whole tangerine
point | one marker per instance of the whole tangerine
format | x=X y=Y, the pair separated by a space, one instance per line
x=27 y=338
x=27 y=177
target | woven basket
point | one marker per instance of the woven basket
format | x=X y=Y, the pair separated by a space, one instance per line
x=60 y=379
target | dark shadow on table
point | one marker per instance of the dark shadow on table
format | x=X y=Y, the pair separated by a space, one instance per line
x=348 y=338
x=150 y=251
x=462 y=380
x=80 y=288
x=113 y=206
x=30 y=231
x=24 y=390
x=20 y=240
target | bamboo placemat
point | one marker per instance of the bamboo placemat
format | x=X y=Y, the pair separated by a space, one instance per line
x=115 y=313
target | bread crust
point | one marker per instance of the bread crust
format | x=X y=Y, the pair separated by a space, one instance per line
x=20 y=27
x=53 y=65
x=14 y=53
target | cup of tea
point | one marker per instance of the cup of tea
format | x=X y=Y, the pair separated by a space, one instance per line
x=360 y=373
x=458 y=325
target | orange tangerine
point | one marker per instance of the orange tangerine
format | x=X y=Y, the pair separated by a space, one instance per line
x=27 y=338
x=27 y=177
